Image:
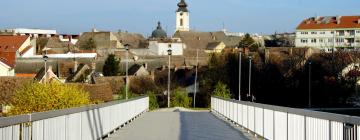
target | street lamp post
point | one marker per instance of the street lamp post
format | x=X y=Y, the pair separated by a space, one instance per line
x=45 y=57
x=252 y=99
x=240 y=74
x=309 y=84
x=168 y=92
x=196 y=76
x=127 y=74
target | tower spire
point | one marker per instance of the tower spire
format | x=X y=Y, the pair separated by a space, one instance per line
x=182 y=17
x=182 y=6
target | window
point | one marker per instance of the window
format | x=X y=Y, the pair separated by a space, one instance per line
x=340 y=40
x=352 y=32
x=332 y=32
x=321 y=40
x=313 y=33
x=303 y=40
x=304 y=33
x=358 y=32
x=330 y=40
x=322 y=33
x=313 y=40
x=181 y=22
x=341 y=33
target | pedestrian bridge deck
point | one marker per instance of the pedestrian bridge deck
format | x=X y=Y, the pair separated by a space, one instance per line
x=179 y=124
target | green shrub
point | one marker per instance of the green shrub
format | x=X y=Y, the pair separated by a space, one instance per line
x=35 y=97
x=179 y=98
x=153 y=104
x=221 y=90
x=122 y=94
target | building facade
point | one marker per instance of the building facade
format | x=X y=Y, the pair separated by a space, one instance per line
x=161 y=47
x=32 y=32
x=182 y=17
x=6 y=69
x=329 y=32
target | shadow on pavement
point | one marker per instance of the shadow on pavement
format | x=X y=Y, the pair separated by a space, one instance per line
x=205 y=126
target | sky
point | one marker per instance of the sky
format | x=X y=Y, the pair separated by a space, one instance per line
x=141 y=16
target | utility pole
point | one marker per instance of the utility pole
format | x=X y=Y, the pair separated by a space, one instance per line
x=240 y=74
x=309 y=84
x=127 y=74
x=252 y=99
x=196 y=75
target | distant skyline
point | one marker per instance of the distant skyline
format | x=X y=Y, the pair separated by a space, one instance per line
x=141 y=16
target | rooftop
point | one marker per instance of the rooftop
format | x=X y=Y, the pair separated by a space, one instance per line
x=330 y=22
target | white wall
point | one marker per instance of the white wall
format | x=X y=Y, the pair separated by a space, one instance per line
x=326 y=39
x=30 y=52
x=33 y=31
x=186 y=21
x=25 y=44
x=5 y=70
x=162 y=48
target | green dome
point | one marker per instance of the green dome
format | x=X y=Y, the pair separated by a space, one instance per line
x=159 y=32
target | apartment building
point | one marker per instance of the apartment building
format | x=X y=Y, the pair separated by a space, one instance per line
x=329 y=32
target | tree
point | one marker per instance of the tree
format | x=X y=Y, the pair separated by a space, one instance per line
x=89 y=44
x=36 y=97
x=179 y=98
x=111 y=67
x=221 y=90
x=248 y=42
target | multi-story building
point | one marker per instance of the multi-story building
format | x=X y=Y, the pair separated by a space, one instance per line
x=31 y=32
x=329 y=32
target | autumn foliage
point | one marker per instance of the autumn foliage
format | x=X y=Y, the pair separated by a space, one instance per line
x=35 y=97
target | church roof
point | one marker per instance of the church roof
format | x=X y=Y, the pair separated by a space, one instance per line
x=159 y=32
x=200 y=40
x=182 y=6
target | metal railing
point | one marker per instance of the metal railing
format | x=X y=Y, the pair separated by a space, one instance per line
x=83 y=123
x=283 y=123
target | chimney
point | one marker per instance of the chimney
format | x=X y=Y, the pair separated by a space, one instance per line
x=358 y=21
x=338 y=21
x=75 y=66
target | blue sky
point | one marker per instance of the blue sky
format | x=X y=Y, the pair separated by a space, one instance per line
x=141 y=16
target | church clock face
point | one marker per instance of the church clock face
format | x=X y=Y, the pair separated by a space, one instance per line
x=181 y=13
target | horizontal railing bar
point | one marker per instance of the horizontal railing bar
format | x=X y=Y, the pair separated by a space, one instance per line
x=14 y=120
x=303 y=112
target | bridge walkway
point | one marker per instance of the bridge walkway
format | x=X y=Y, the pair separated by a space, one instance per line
x=179 y=124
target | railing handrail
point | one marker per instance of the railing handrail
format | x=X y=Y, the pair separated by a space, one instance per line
x=13 y=120
x=304 y=112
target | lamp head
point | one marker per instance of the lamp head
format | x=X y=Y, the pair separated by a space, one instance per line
x=169 y=52
x=127 y=46
x=45 y=58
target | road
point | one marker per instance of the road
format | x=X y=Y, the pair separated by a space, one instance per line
x=179 y=124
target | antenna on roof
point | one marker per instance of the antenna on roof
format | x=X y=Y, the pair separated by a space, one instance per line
x=166 y=29
x=223 y=27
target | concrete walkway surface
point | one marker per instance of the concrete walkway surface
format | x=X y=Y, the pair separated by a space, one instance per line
x=179 y=124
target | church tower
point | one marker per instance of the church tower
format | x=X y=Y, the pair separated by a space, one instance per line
x=182 y=17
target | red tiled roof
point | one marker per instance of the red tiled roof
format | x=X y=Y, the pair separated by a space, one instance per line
x=9 y=46
x=330 y=23
x=3 y=60
x=12 y=41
